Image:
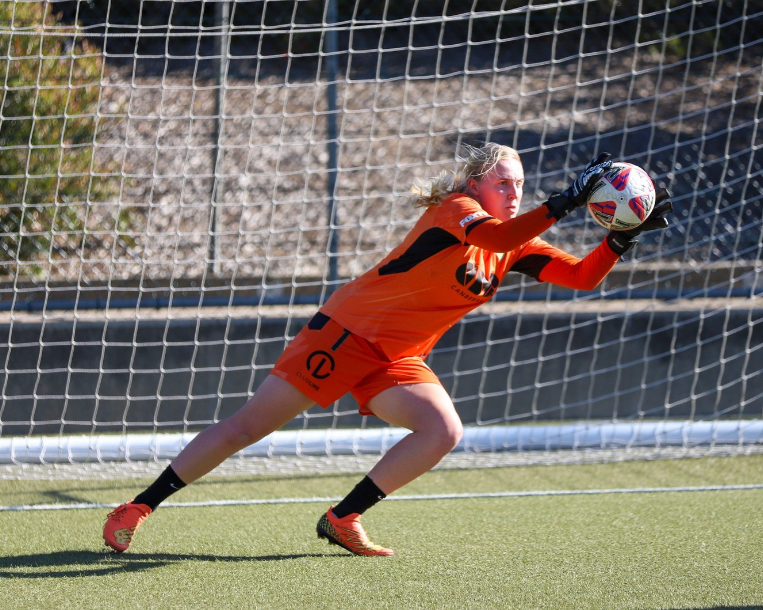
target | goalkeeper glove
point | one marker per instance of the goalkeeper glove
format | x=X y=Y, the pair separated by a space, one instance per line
x=576 y=195
x=622 y=241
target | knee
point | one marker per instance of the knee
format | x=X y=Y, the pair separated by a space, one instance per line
x=449 y=433
x=456 y=433
x=237 y=434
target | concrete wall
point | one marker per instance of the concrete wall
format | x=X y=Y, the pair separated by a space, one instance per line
x=682 y=364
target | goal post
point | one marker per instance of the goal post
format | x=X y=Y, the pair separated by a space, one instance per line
x=183 y=184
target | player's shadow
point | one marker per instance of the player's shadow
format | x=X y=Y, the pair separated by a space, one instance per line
x=101 y=563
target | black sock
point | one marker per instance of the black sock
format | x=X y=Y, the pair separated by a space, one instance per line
x=360 y=499
x=161 y=489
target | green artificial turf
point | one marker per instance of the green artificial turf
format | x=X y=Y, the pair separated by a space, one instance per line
x=698 y=549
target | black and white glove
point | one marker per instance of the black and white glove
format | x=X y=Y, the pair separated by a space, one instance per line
x=576 y=195
x=622 y=241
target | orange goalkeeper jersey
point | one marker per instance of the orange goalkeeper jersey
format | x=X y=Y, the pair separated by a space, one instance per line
x=436 y=276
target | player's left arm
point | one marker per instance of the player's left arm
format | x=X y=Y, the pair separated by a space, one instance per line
x=563 y=269
x=549 y=264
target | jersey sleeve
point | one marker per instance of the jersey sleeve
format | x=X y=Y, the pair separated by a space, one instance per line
x=546 y=263
x=459 y=215
x=497 y=236
x=465 y=219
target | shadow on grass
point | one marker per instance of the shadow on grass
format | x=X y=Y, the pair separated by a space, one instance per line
x=131 y=487
x=101 y=563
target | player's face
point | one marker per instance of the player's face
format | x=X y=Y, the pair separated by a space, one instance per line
x=500 y=191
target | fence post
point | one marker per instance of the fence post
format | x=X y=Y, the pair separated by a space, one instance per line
x=220 y=55
x=332 y=144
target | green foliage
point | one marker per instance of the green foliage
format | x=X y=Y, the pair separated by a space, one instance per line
x=48 y=125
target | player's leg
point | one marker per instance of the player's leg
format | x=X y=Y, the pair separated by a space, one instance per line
x=426 y=410
x=344 y=361
x=275 y=403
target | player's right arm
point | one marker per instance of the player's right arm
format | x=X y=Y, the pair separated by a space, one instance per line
x=495 y=236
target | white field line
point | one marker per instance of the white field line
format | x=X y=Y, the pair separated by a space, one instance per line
x=464 y=496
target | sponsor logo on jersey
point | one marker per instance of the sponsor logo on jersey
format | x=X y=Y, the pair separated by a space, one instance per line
x=474 y=280
x=471 y=217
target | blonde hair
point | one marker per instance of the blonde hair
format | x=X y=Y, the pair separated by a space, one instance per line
x=479 y=162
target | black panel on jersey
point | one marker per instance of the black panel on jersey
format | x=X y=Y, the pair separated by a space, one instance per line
x=478 y=223
x=531 y=265
x=429 y=243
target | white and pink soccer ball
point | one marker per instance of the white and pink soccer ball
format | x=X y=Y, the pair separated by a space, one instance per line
x=622 y=198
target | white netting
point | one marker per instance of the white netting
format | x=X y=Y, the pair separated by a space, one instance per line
x=181 y=184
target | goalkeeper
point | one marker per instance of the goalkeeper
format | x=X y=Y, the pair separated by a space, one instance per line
x=371 y=337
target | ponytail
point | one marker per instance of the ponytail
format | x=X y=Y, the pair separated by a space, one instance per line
x=480 y=161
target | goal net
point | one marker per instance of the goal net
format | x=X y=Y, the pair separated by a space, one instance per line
x=182 y=184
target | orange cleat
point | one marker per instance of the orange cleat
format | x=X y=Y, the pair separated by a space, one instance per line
x=349 y=534
x=121 y=524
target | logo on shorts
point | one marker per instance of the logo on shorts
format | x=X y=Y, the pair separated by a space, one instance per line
x=320 y=364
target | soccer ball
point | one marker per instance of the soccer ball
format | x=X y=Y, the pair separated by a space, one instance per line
x=622 y=198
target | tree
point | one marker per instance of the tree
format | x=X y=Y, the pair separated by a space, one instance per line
x=48 y=126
